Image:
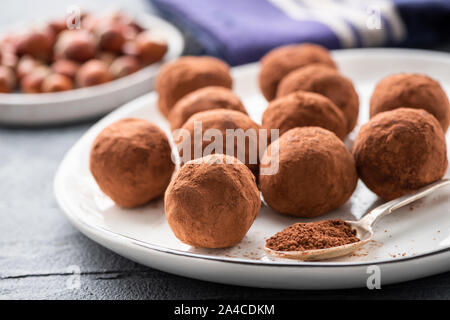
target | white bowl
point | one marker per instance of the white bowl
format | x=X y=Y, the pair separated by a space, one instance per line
x=85 y=103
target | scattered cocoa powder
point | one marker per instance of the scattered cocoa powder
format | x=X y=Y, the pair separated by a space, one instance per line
x=313 y=235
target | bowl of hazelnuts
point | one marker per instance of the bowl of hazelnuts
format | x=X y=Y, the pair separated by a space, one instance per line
x=61 y=71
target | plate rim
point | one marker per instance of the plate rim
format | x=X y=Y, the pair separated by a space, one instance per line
x=86 y=228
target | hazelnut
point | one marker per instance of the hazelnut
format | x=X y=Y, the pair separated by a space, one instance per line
x=79 y=45
x=26 y=65
x=150 y=47
x=56 y=82
x=92 y=73
x=7 y=79
x=58 y=25
x=65 y=67
x=36 y=43
x=124 y=66
x=9 y=58
x=31 y=83
x=110 y=37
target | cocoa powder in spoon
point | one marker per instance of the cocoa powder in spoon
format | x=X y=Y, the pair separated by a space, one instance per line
x=313 y=235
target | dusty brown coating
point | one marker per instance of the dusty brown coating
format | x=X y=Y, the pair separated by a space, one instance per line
x=408 y=90
x=400 y=151
x=304 y=109
x=131 y=162
x=316 y=173
x=276 y=64
x=327 y=82
x=203 y=99
x=210 y=204
x=221 y=120
x=187 y=74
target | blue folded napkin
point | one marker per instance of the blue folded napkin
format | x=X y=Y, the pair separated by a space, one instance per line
x=242 y=31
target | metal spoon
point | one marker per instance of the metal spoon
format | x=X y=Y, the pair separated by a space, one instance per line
x=363 y=227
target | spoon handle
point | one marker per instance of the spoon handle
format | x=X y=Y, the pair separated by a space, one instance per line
x=372 y=217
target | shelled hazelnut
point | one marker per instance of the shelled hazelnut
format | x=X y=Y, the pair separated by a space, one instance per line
x=26 y=65
x=92 y=73
x=7 y=79
x=65 y=67
x=36 y=43
x=32 y=82
x=79 y=45
x=123 y=66
x=150 y=47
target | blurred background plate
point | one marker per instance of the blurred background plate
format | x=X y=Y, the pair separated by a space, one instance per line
x=85 y=103
x=413 y=242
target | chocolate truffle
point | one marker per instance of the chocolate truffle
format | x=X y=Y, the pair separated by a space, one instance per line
x=187 y=74
x=203 y=99
x=407 y=90
x=212 y=202
x=244 y=148
x=304 y=109
x=327 y=82
x=131 y=162
x=400 y=151
x=276 y=64
x=316 y=173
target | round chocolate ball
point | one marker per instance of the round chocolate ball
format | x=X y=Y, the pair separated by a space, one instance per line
x=400 y=151
x=242 y=138
x=276 y=64
x=212 y=202
x=304 y=109
x=327 y=82
x=187 y=74
x=316 y=173
x=203 y=99
x=407 y=90
x=131 y=162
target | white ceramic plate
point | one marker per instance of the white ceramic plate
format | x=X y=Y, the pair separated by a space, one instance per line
x=411 y=243
x=85 y=103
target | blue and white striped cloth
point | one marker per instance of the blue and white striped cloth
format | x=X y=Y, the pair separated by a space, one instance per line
x=241 y=31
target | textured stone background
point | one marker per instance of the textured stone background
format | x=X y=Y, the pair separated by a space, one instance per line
x=38 y=245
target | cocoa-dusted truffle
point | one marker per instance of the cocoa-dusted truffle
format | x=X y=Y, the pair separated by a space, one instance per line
x=304 y=109
x=400 y=151
x=203 y=99
x=220 y=121
x=316 y=173
x=276 y=64
x=408 y=90
x=328 y=82
x=131 y=162
x=212 y=202
x=187 y=74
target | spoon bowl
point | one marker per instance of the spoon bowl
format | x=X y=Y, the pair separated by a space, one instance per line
x=363 y=228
